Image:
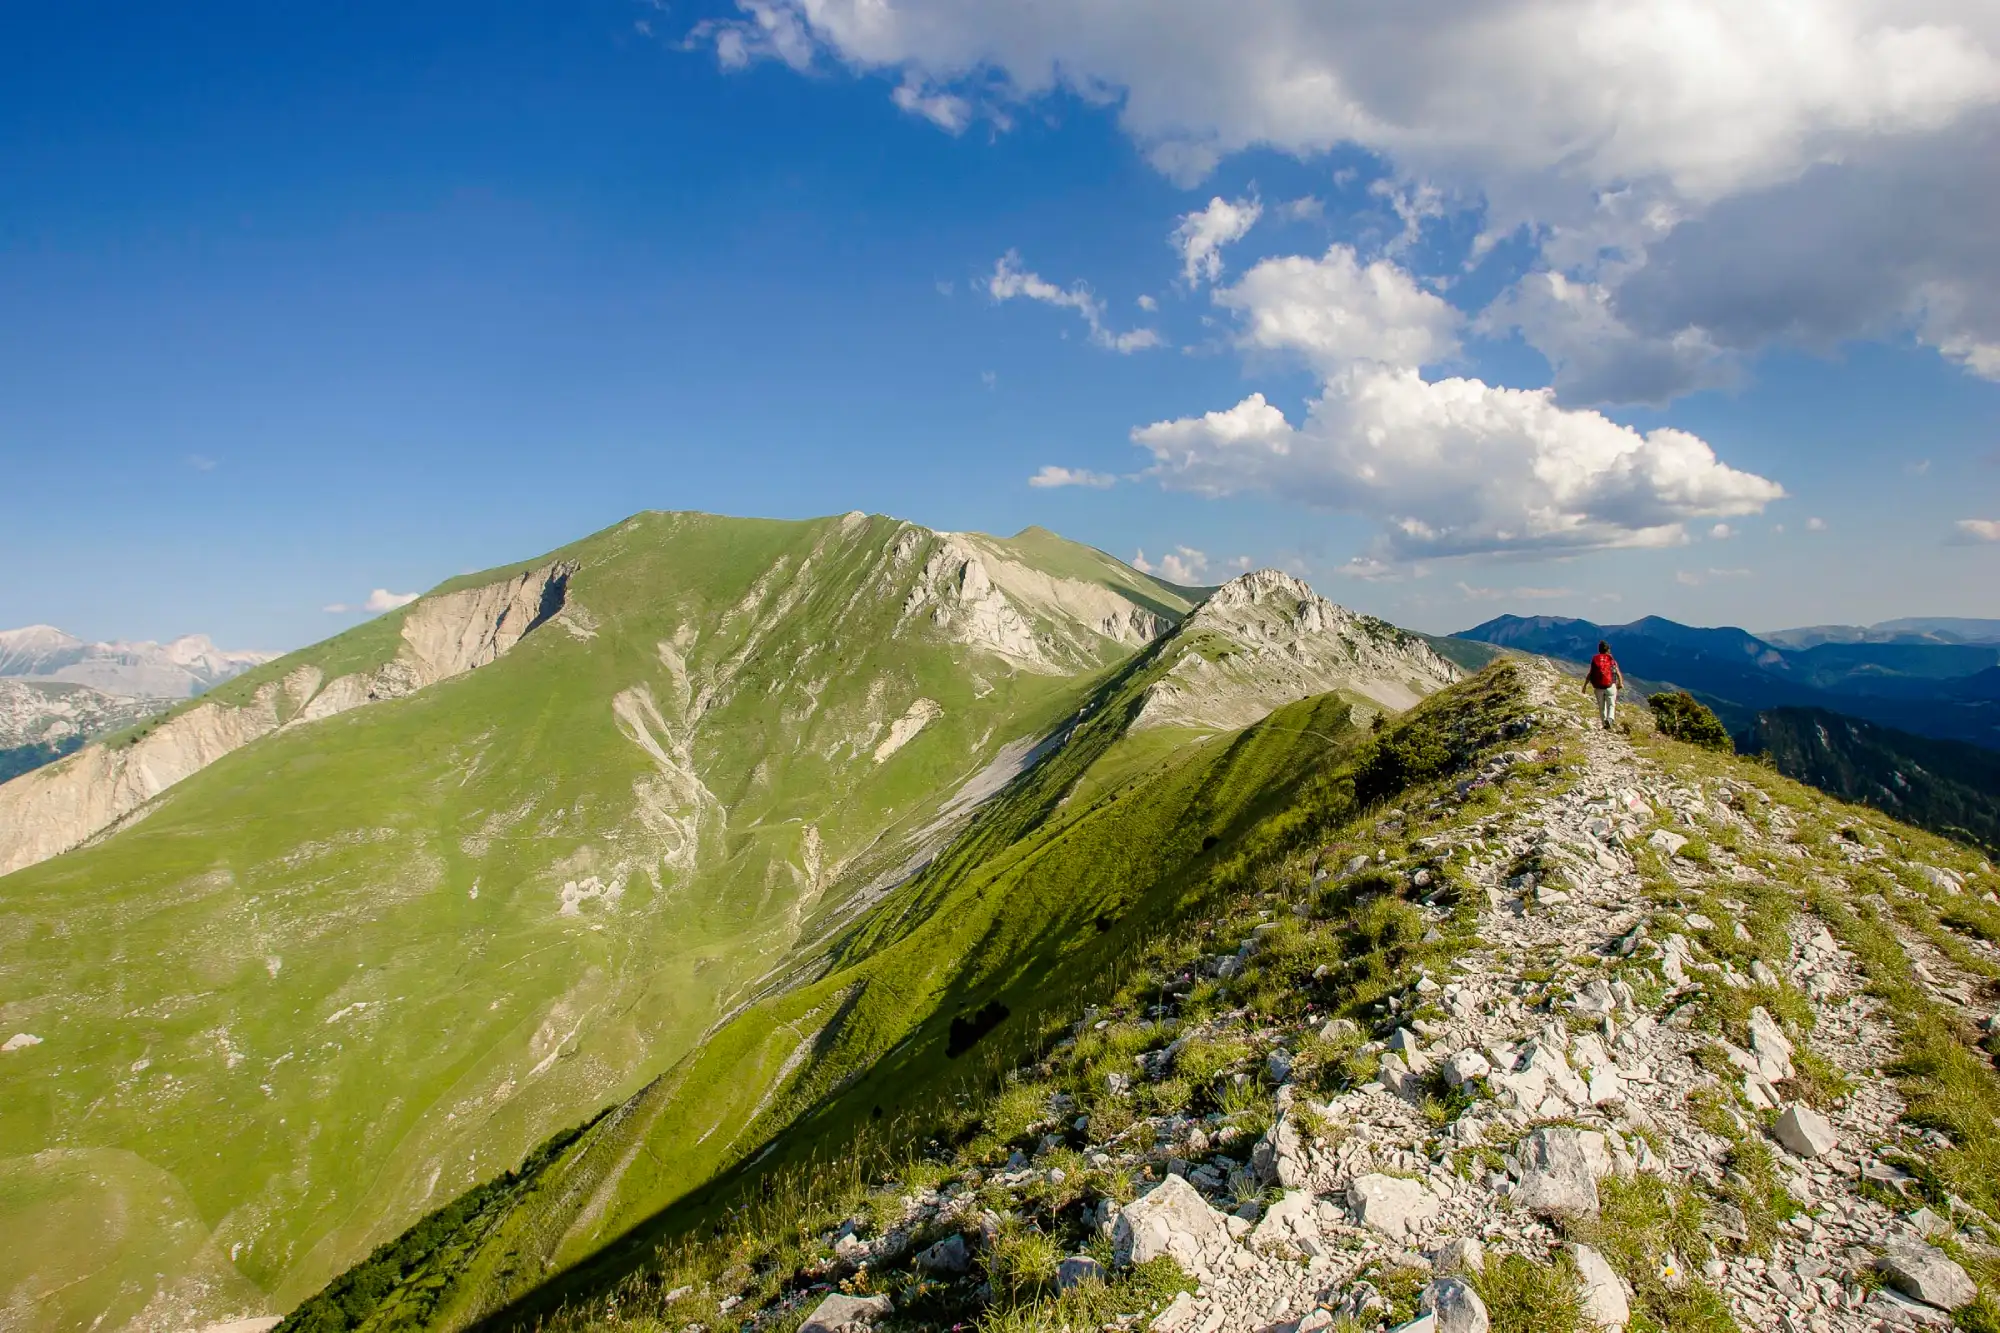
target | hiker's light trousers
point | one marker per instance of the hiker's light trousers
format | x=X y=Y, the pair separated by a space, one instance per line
x=1607 y=704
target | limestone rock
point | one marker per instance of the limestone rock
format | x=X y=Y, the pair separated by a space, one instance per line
x=839 y=1313
x=1604 y=1300
x=1665 y=843
x=947 y=1256
x=1391 y=1204
x=1174 y=1220
x=1924 y=1272
x=1805 y=1132
x=1462 y=1256
x=1456 y=1307
x=1556 y=1176
x=1078 y=1268
x=1467 y=1065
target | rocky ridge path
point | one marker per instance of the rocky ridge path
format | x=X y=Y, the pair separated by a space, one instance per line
x=1678 y=1051
x=1617 y=1079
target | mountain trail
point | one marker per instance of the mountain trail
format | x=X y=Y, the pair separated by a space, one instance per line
x=1667 y=1010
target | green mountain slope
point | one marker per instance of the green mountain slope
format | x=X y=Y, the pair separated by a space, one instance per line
x=368 y=959
x=1943 y=786
x=633 y=824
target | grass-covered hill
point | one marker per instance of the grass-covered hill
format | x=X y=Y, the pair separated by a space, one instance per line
x=645 y=841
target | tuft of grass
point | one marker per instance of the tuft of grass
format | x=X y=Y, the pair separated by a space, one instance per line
x=1523 y=1296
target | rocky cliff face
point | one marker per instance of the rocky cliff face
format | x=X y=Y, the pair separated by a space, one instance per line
x=1266 y=639
x=46 y=712
x=53 y=809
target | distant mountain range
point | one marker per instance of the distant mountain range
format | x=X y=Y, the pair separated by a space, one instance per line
x=188 y=666
x=1917 y=629
x=1910 y=676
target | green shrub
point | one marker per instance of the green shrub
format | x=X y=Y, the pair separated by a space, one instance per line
x=1685 y=718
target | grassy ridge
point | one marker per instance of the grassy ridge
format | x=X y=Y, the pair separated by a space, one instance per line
x=1037 y=901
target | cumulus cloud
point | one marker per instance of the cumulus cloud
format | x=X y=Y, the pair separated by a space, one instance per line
x=1306 y=208
x=1201 y=235
x=1977 y=530
x=1712 y=172
x=1335 y=310
x=377 y=602
x=1721 y=532
x=1815 y=525
x=1458 y=467
x=1010 y=281
x=1052 y=476
x=1452 y=466
x=1183 y=565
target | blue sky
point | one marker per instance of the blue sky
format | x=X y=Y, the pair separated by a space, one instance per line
x=293 y=309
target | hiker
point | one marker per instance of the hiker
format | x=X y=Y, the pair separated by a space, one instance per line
x=1605 y=678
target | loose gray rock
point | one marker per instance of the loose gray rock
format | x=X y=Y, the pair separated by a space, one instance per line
x=1456 y=1306
x=1924 y=1272
x=1462 y=1256
x=1391 y=1204
x=839 y=1313
x=1604 y=1299
x=947 y=1256
x=1078 y=1268
x=1805 y=1132
x=1174 y=1220
x=1556 y=1179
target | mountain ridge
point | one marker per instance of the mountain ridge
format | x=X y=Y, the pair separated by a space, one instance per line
x=182 y=668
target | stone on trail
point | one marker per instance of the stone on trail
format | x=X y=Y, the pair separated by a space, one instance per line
x=947 y=1256
x=1805 y=1132
x=1456 y=1307
x=20 y=1041
x=1665 y=843
x=840 y=1312
x=1463 y=1255
x=1926 y=1273
x=1173 y=1220
x=1467 y=1065
x=1556 y=1178
x=1276 y=1158
x=1391 y=1204
x=1771 y=1044
x=1178 y=1314
x=1604 y=1301
x=1078 y=1268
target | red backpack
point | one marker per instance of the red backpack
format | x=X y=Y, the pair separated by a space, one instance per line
x=1603 y=671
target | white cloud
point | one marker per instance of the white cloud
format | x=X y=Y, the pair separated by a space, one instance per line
x=1052 y=476
x=1148 y=304
x=1978 y=530
x=1453 y=466
x=949 y=113
x=1306 y=208
x=1473 y=594
x=1010 y=282
x=1815 y=525
x=1595 y=356
x=1183 y=565
x=1721 y=532
x=1201 y=236
x=1458 y=467
x=200 y=462
x=377 y=602
x=1695 y=578
x=1730 y=174
x=1335 y=310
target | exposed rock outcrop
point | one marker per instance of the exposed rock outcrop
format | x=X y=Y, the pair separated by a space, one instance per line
x=53 y=809
x=1266 y=639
